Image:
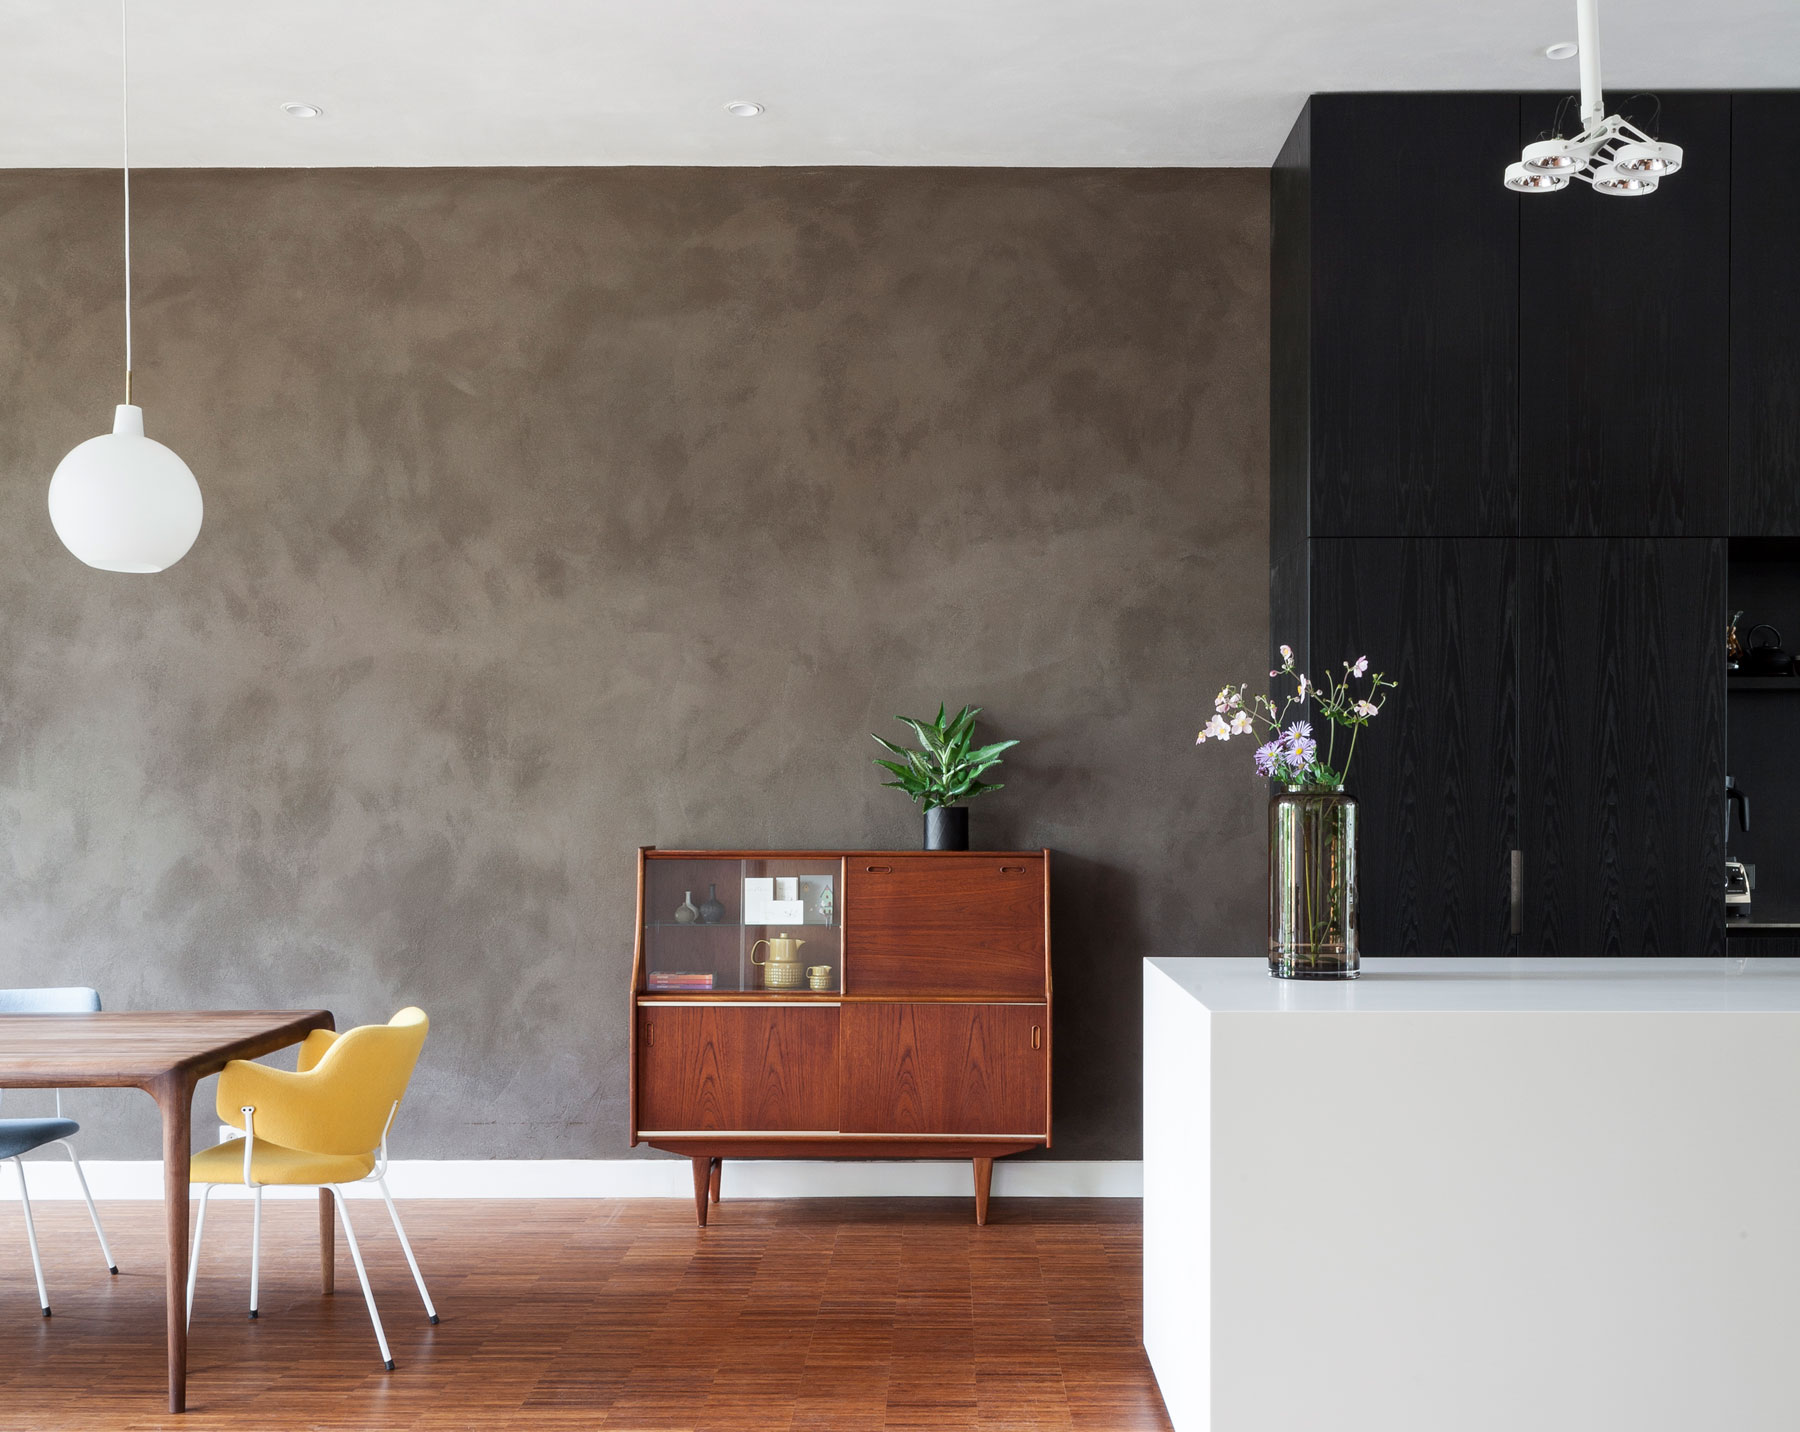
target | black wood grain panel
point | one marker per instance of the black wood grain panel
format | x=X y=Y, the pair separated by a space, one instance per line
x=1436 y=774
x=1414 y=315
x=1765 y=315
x=1622 y=738
x=1290 y=339
x=1290 y=605
x=1623 y=344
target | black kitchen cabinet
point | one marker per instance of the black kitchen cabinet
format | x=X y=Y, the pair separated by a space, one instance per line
x=1765 y=316
x=1510 y=436
x=1622 y=745
x=1436 y=774
x=1396 y=319
x=1624 y=338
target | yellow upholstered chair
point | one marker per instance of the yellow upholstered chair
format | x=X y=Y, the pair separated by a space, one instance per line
x=324 y=1125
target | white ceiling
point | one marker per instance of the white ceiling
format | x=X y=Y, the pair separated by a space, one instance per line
x=1004 y=82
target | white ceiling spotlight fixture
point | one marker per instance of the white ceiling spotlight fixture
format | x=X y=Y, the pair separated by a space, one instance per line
x=298 y=109
x=744 y=108
x=123 y=502
x=1562 y=50
x=1611 y=154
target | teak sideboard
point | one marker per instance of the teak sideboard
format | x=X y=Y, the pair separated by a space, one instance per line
x=921 y=1028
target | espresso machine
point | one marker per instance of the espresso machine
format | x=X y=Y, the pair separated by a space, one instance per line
x=1738 y=877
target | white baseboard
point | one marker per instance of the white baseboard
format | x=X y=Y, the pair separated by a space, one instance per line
x=53 y=1177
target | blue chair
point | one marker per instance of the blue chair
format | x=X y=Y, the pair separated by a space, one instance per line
x=21 y=1136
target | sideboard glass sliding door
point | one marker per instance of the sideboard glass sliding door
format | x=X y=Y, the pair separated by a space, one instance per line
x=721 y=925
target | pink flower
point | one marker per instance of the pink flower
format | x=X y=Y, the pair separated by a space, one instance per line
x=1362 y=665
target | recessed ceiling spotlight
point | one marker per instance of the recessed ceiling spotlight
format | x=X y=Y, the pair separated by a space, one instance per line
x=744 y=108
x=1562 y=50
x=296 y=110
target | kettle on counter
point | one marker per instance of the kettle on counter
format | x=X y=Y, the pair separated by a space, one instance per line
x=1767 y=659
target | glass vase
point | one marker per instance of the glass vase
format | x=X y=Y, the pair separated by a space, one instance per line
x=1312 y=884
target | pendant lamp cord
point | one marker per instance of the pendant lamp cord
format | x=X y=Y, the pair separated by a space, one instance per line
x=125 y=153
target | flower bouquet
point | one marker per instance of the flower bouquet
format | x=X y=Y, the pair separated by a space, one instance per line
x=1312 y=821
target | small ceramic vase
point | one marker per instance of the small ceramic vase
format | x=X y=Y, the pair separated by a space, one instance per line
x=687 y=914
x=711 y=911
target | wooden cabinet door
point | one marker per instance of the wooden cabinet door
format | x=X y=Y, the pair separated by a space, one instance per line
x=945 y=1069
x=737 y=1068
x=1624 y=342
x=1436 y=776
x=1414 y=317
x=962 y=926
x=1622 y=745
x=1765 y=316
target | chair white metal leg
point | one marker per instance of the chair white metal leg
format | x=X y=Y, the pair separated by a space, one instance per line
x=37 y=1264
x=362 y=1275
x=406 y=1248
x=255 y=1246
x=93 y=1212
x=194 y=1257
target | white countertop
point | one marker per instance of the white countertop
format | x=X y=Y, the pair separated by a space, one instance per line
x=1727 y=985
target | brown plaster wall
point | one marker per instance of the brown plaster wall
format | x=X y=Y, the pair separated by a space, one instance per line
x=549 y=513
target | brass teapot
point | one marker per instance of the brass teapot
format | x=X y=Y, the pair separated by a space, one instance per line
x=782 y=970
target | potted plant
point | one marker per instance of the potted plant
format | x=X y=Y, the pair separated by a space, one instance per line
x=1312 y=820
x=946 y=773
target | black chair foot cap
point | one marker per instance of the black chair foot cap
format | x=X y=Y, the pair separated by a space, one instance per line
x=390 y=1364
x=253 y=1312
x=114 y=1270
x=46 y=1312
x=434 y=1319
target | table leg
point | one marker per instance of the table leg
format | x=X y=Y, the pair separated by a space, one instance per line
x=327 y=1244
x=174 y=1094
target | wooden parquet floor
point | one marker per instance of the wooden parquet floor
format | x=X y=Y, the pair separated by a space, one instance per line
x=798 y=1316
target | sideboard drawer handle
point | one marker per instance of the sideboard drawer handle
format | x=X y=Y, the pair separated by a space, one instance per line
x=1037 y=1037
x=879 y=869
x=1012 y=869
x=650 y=1033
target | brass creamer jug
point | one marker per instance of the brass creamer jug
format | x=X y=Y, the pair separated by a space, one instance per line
x=782 y=970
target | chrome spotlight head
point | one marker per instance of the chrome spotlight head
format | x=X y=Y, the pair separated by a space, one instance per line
x=1553 y=156
x=1608 y=180
x=1648 y=161
x=1534 y=181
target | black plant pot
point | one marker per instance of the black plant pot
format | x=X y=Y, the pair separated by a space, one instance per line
x=947 y=828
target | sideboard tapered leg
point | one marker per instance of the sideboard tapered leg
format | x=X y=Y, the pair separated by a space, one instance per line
x=984 y=1180
x=702 y=1185
x=718 y=1167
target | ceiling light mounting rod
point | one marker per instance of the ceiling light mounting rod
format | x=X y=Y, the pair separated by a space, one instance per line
x=1587 y=36
x=125 y=165
x=1611 y=155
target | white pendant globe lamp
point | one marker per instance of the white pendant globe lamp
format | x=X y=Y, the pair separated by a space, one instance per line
x=123 y=502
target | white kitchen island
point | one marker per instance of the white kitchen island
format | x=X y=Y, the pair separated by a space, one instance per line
x=1462 y=1195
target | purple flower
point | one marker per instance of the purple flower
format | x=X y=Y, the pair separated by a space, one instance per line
x=1266 y=757
x=1297 y=745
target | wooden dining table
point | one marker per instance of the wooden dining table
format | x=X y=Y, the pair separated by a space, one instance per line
x=165 y=1055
